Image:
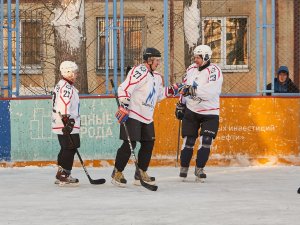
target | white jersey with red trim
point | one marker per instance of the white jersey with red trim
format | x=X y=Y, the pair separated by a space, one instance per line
x=140 y=91
x=209 y=86
x=65 y=100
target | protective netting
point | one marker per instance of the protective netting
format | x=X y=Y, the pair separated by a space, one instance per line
x=287 y=38
x=229 y=27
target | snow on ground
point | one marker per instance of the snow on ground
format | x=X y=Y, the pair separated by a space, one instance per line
x=230 y=196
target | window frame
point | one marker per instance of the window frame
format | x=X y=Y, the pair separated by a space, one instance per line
x=25 y=69
x=141 y=19
x=31 y=68
x=223 y=64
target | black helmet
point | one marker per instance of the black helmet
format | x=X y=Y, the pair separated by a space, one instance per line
x=151 y=52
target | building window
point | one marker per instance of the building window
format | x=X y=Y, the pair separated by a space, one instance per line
x=228 y=38
x=133 y=39
x=30 y=45
x=31 y=39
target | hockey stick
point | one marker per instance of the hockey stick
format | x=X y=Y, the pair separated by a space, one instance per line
x=178 y=143
x=98 y=181
x=143 y=183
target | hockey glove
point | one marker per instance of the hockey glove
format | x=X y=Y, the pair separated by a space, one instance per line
x=188 y=90
x=174 y=89
x=122 y=114
x=69 y=124
x=180 y=109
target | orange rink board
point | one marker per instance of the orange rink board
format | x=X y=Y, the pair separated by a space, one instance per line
x=253 y=131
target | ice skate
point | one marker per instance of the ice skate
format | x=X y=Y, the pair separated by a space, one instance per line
x=145 y=177
x=183 y=173
x=64 y=178
x=118 y=178
x=200 y=175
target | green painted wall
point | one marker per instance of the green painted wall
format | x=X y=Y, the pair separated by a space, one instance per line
x=32 y=139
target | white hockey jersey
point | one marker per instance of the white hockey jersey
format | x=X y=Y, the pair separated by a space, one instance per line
x=141 y=90
x=209 y=86
x=65 y=100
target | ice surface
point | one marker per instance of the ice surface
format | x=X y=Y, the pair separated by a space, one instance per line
x=230 y=196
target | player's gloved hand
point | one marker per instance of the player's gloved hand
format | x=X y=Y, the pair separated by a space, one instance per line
x=122 y=114
x=180 y=109
x=187 y=90
x=69 y=124
x=174 y=89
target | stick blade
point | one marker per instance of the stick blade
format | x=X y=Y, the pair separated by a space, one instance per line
x=98 y=181
x=149 y=186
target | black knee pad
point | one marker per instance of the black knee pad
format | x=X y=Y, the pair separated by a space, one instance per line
x=189 y=142
x=187 y=151
x=206 y=141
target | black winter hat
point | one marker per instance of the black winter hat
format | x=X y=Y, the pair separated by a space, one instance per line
x=283 y=69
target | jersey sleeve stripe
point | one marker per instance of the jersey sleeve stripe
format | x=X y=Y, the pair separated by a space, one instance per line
x=135 y=82
x=139 y=115
x=219 y=73
x=208 y=74
x=130 y=77
x=192 y=67
x=56 y=128
x=208 y=109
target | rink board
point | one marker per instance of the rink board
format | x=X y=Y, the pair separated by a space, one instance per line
x=252 y=130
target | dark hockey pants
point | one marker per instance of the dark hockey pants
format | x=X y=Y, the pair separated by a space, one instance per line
x=144 y=155
x=202 y=154
x=65 y=157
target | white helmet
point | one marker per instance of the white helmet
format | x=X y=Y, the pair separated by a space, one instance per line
x=204 y=51
x=66 y=67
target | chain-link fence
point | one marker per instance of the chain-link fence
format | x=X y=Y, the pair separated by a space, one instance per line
x=230 y=27
x=287 y=38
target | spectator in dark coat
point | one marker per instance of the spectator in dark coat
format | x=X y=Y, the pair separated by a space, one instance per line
x=283 y=84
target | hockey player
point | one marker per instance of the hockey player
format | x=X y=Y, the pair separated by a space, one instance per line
x=138 y=95
x=198 y=108
x=65 y=100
